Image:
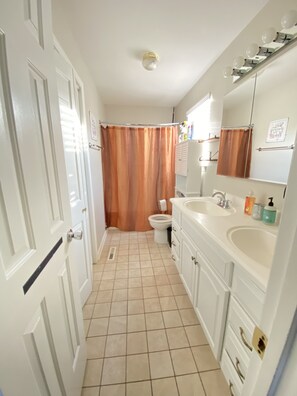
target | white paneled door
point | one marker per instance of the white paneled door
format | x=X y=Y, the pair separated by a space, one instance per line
x=72 y=116
x=41 y=333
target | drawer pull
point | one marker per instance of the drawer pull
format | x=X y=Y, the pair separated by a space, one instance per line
x=243 y=337
x=231 y=388
x=173 y=258
x=239 y=372
x=173 y=243
x=193 y=258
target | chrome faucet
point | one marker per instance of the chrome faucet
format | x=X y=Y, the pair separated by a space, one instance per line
x=223 y=202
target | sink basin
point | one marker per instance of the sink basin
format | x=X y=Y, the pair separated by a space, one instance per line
x=208 y=208
x=256 y=243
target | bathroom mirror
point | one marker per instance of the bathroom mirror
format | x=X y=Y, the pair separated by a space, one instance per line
x=274 y=116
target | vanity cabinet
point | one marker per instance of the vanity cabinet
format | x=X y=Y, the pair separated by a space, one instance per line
x=188 y=265
x=245 y=309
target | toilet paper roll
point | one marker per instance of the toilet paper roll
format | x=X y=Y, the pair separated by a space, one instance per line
x=163 y=205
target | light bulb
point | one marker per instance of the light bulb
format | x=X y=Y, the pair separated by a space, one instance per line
x=289 y=19
x=238 y=62
x=150 y=60
x=227 y=72
x=252 y=50
x=268 y=35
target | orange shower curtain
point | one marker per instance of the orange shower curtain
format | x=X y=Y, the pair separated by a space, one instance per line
x=235 y=152
x=138 y=170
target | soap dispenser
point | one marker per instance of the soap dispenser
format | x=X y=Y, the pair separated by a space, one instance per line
x=269 y=212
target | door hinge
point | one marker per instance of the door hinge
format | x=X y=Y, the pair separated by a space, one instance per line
x=259 y=342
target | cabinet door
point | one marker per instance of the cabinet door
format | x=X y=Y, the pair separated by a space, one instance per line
x=211 y=306
x=187 y=264
x=181 y=159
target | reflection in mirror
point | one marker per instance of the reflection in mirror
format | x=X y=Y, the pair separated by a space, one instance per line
x=236 y=134
x=275 y=119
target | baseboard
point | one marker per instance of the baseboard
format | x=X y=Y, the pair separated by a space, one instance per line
x=99 y=251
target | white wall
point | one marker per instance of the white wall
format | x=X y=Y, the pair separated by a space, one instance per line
x=138 y=114
x=62 y=31
x=213 y=82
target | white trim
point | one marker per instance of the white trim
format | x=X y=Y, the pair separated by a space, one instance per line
x=201 y=101
x=99 y=251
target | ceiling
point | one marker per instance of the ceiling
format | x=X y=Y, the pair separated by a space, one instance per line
x=188 y=35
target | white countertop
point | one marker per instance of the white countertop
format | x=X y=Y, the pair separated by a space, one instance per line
x=217 y=227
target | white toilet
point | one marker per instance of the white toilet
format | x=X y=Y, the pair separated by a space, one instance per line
x=160 y=223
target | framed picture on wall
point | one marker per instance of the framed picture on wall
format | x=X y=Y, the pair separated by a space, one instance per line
x=277 y=130
x=93 y=126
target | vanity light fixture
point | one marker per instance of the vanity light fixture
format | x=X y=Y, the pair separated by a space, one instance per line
x=272 y=41
x=150 y=60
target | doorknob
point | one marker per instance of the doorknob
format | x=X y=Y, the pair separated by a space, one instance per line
x=74 y=235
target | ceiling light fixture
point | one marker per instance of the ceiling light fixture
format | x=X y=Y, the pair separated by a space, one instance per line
x=272 y=42
x=150 y=60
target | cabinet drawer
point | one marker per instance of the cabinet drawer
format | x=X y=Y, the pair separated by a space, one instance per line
x=248 y=294
x=242 y=325
x=236 y=353
x=218 y=259
x=235 y=385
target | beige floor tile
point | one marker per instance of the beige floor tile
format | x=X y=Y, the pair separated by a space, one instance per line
x=137 y=368
x=188 y=317
x=165 y=291
x=157 y=340
x=154 y=321
x=172 y=319
x=145 y=257
x=156 y=256
x=95 y=347
x=162 y=280
x=178 y=290
x=134 y=257
x=119 y=308
x=142 y=388
x=114 y=370
x=158 y=263
x=183 y=361
x=121 y=284
x=145 y=263
x=160 y=364
x=152 y=305
x=134 y=273
x=134 y=282
x=148 y=281
x=88 y=311
x=204 y=358
x=196 y=335
x=183 y=302
x=104 y=296
x=115 y=345
x=93 y=372
x=117 y=324
x=214 y=383
x=135 y=293
x=106 y=285
x=95 y=286
x=147 y=272
x=174 y=279
x=122 y=258
x=177 y=338
x=121 y=274
x=136 y=343
x=171 y=270
x=97 y=276
x=150 y=292
x=113 y=390
x=122 y=266
x=94 y=391
x=108 y=275
x=102 y=310
x=168 y=303
x=120 y=295
x=159 y=271
x=165 y=386
x=136 y=323
x=86 y=325
x=190 y=385
x=134 y=265
x=135 y=307
x=98 y=327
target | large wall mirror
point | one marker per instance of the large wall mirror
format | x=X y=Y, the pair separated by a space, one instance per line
x=268 y=101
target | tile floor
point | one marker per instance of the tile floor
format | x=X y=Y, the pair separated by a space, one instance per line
x=143 y=337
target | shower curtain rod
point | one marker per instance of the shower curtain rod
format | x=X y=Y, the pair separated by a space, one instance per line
x=136 y=125
x=239 y=126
